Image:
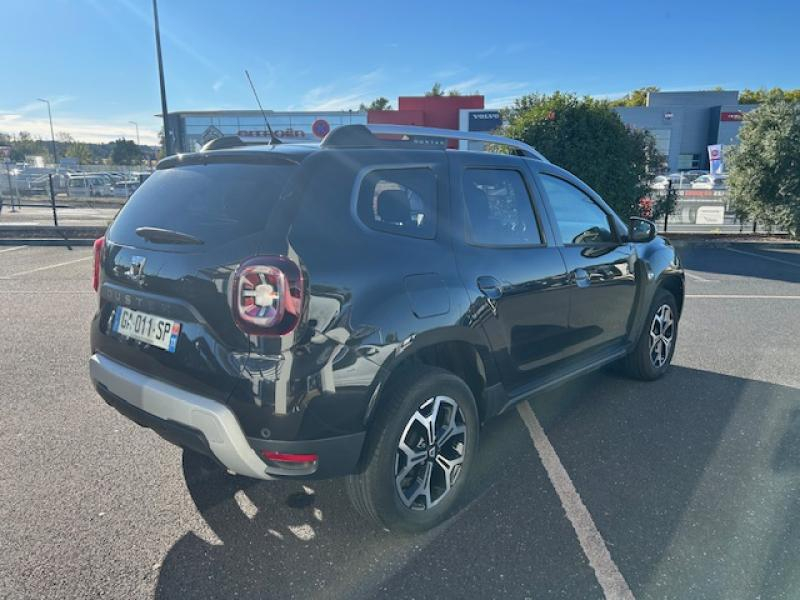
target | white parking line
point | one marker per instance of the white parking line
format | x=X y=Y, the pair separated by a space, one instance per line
x=12 y=249
x=746 y=296
x=36 y=270
x=777 y=260
x=46 y=293
x=691 y=275
x=594 y=547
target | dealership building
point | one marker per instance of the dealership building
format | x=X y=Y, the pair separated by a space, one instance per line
x=192 y=129
x=684 y=124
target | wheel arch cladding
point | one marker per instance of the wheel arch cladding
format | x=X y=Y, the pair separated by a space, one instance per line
x=458 y=357
x=674 y=285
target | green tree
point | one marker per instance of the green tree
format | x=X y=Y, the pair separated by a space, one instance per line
x=747 y=96
x=125 y=152
x=585 y=136
x=80 y=151
x=765 y=167
x=25 y=145
x=636 y=97
x=377 y=104
x=436 y=90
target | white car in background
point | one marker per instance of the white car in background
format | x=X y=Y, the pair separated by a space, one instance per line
x=89 y=185
x=710 y=182
x=660 y=182
x=126 y=187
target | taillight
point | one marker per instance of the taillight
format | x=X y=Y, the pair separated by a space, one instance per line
x=267 y=295
x=290 y=462
x=98 y=246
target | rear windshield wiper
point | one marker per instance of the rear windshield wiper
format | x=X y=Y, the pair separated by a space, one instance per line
x=166 y=236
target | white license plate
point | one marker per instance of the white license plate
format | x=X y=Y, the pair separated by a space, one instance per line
x=144 y=327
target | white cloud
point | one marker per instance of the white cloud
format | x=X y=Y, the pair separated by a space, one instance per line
x=346 y=94
x=83 y=130
x=489 y=86
x=217 y=85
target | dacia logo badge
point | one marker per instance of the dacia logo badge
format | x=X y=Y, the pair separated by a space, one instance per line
x=135 y=271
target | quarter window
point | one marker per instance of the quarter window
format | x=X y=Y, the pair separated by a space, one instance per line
x=580 y=220
x=400 y=201
x=499 y=210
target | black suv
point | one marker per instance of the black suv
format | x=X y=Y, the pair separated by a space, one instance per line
x=358 y=308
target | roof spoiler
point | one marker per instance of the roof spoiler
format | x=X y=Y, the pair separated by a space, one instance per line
x=220 y=143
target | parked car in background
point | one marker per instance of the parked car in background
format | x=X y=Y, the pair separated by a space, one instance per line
x=89 y=185
x=710 y=182
x=661 y=182
x=125 y=187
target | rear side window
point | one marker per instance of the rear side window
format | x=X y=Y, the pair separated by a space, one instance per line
x=400 y=201
x=499 y=209
x=580 y=220
x=214 y=202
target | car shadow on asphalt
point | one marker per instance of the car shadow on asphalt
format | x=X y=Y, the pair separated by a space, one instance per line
x=692 y=480
x=282 y=539
x=671 y=471
x=713 y=259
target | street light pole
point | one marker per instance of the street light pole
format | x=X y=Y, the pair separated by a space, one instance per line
x=135 y=124
x=167 y=137
x=52 y=135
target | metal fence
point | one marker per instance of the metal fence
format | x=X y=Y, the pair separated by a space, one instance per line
x=32 y=181
x=704 y=210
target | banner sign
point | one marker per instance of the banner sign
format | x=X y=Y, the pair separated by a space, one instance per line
x=710 y=215
x=715 y=158
x=736 y=115
x=485 y=120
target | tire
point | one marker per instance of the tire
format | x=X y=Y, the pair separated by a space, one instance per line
x=651 y=357
x=390 y=488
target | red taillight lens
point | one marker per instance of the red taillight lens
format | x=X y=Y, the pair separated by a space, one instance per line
x=289 y=458
x=267 y=295
x=98 y=246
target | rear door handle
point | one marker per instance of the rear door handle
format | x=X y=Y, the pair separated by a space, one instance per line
x=490 y=287
x=581 y=278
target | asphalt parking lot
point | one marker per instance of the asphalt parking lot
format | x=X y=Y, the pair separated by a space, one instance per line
x=690 y=486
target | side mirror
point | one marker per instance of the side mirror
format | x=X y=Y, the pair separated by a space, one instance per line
x=641 y=230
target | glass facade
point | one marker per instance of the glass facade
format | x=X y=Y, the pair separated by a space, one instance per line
x=196 y=129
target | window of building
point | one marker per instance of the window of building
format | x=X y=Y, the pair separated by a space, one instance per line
x=688 y=161
x=580 y=220
x=499 y=209
x=400 y=201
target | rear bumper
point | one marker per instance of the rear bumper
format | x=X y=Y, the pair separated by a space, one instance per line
x=209 y=427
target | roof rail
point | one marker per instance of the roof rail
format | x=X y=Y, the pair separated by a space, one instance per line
x=452 y=134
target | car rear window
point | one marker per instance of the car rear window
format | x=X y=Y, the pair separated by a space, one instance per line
x=214 y=202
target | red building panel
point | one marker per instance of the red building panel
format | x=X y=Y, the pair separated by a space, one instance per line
x=428 y=111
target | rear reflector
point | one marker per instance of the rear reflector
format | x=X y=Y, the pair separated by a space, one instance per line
x=98 y=246
x=289 y=458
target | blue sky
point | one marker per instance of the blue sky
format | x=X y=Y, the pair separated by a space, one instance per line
x=95 y=59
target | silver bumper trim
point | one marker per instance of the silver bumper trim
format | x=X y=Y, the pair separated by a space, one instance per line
x=216 y=421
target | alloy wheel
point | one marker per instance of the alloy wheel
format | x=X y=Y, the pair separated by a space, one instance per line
x=430 y=453
x=662 y=334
